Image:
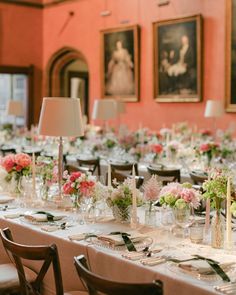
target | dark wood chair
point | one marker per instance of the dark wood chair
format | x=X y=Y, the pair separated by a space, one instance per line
x=198 y=179
x=37 y=153
x=6 y=151
x=47 y=254
x=121 y=178
x=96 y=283
x=92 y=164
x=73 y=168
x=126 y=168
x=166 y=175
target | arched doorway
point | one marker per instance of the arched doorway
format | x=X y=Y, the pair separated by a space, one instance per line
x=68 y=76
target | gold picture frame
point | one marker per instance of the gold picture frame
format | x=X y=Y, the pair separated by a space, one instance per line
x=230 y=76
x=120 y=63
x=177 y=53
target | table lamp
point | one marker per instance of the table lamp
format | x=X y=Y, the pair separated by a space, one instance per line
x=15 y=108
x=61 y=117
x=214 y=109
x=104 y=109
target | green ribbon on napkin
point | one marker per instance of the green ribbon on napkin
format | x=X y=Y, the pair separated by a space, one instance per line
x=215 y=266
x=128 y=243
x=50 y=217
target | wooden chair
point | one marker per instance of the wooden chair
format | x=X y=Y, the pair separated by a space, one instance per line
x=92 y=164
x=127 y=168
x=47 y=254
x=121 y=178
x=73 y=168
x=170 y=175
x=37 y=153
x=96 y=283
x=5 y=151
x=197 y=178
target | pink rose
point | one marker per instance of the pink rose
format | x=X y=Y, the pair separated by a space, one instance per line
x=8 y=162
x=67 y=189
x=157 y=148
x=74 y=176
x=23 y=160
x=205 y=147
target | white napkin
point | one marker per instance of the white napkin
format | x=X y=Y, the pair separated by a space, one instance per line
x=39 y=217
x=78 y=237
x=117 y=240
x=13 y=215
x=5 y=198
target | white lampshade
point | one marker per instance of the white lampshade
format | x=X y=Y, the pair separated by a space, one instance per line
x=104 y=109
x=61 y=116
x=214 y=109
x=120 y=105
x=15 y=108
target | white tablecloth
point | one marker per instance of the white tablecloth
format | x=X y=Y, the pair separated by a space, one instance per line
x=108 y=262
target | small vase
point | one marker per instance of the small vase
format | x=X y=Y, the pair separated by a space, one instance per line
x=150 y=215
x=122 y=215
x=217 y=230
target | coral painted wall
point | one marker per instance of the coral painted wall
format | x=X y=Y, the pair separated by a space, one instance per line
x=82 y=32
x=21 y=42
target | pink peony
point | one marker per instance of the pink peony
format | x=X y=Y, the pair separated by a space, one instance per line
x=173 y=188
x=74 y=176
x=205 y=147
x=8 y=162
x=22 y=160
x=190 y=196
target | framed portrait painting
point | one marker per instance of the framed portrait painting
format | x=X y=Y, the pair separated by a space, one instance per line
x=177 y=60
x=120 y=63
x=230 y=82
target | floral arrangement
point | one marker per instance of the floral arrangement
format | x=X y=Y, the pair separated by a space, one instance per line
x=165 y=131
x=205 y=133
x=122 y=195
x=233 y=209
x=48 y=169
x=209 y=149
x=216 y=187
x=78 y=185
x=180 y=196
x=173 y=146
x=100 y=192
x=151 y=190
x=127 y=141
x=16 y=166
x=157 y=149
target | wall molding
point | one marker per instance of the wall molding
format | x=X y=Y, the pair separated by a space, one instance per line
x=36 y=5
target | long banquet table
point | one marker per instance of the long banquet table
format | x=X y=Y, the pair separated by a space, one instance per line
x=109 y=262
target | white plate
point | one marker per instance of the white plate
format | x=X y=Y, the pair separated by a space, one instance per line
x=146 y=242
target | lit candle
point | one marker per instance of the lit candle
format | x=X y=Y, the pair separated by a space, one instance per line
x=109 y=176
x=228 y=217
x=33 y=174
x=134 y=219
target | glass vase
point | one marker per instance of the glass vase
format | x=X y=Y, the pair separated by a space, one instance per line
x=150 y=216
x=122 y=215
x=217 y=230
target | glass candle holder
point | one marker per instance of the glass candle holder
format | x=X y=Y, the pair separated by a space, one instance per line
x=197 y=233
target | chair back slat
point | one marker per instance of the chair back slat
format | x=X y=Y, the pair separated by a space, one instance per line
x=92 y=164
x=47 y=254
x=96 y=283
x=125 y=168
x=170 y=175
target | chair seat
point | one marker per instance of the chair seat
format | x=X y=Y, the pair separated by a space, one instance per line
x=76 y=293
x=9 y=277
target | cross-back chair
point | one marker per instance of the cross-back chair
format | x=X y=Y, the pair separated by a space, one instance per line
x=95 y=283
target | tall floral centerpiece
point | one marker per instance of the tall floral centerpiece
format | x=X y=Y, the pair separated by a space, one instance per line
x=216 y=189
x=16 y=166
x=78 y=185
x=151 y=189
x=157 y=150
x=172 y=149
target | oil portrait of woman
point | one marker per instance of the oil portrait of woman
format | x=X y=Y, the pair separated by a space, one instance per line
x=120 y=64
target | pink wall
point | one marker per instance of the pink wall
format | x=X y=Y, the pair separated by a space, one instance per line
x=24 y=42
x=21 y=41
